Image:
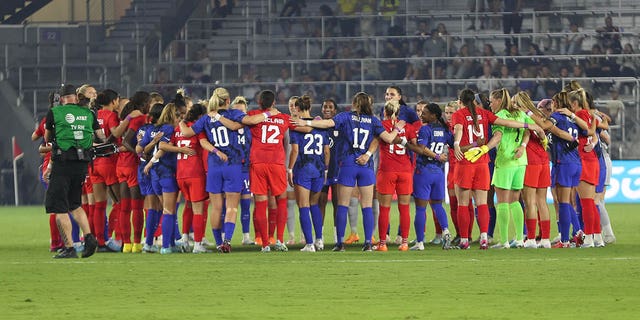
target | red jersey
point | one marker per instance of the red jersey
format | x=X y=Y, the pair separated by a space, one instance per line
x=469 y=133
x=535 y=151
x=394 y=157
x=107 y=120
x=188 y=166
x=584 y=140
x=267 y=139
x=40 y=133
x=128 y=158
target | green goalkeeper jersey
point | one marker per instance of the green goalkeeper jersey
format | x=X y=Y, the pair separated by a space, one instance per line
x=511 y=140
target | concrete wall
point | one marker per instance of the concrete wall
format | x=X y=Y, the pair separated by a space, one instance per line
x=75 y=10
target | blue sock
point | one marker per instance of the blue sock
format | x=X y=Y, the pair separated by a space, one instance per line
x=167 y=230
x=575 y=220
x=223 y=214
x=368 y=223
x=419 y=221
x=245 y=215
x=176 y=228
x=217 y=235
x=107 y=236
x=316 y=217
x=151 y=225
x=492 y=221
x=228 y=230
x=305 y=224
x=441 y=215
x=565 y=220
x=75 y=229
x=341 y=222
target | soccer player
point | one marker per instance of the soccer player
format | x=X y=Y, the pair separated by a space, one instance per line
x=358 y=129
x=307 y=173
x=395 y=175
x=226 y=154
x=471 y=122
x=428 y=180
x=329 y=110
x=244 y=138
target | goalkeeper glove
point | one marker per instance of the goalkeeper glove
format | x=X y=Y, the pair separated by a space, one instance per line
x=474 y=154
x=545 y=143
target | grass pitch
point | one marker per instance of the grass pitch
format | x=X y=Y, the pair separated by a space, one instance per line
x=432 y=284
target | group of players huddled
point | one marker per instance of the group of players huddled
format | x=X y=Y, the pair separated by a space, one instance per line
x=215 y=155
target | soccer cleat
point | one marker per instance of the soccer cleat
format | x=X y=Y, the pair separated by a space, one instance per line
x=127 y=248
x=308 y=248
x=338 y=248
x=382 y=247
x=272 y=240
x=225 y=247
x=353 y=238
x=419 y=246
x=199 y=248
x=367 y=247
x=530 y=244
x=166 y=251
x=113 y=245
x=517 y=244
x=257 y=242
x=484 y=244
x=455 y=241
x=182 y=246
x=579 y=238
x=205 y=242
x=403 y=247
x=609 y=238
x=319 y=244
x=247 y=242
x=55 y=248
x=374 y=241
x=136 y=248
x=598 y=242
x=437 y=240
x=90 y=245
x=280 y=247
x=265 y=249
x=587 y=242
x=446 y=241
x=501 y=246
x=556 y=239
x=66 y=253
x=561 y=245
x=464 y=245
x=544 y=243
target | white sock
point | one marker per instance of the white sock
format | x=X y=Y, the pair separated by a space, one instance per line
x=353 y=214
x=291 y=217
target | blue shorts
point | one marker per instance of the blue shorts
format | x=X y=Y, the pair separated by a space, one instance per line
x=350 y=175
x=603 y=175
x=246 y=189
x=144 y=182
x=162 y=182
x=227 y=178
x=313 y=181
x=428 y=184
x=566 y=174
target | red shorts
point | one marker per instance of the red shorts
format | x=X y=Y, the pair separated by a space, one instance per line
x=193 y=189
x=473 y=176
x=394 y=182
x=265 y=177
x=537 y=176
x=128 y=175
x=87 y=186
x=104 y=173
x=451 y=176
x=590 y=172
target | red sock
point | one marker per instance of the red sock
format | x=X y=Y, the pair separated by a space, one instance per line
x=198 y=227
x=472 y=216
x=260 y=220
x=383 y=222
x=187 y=219
x=113 y=221
x=483 y=218
x=256 y=228
x=531 y=228
x=282 y=218
x=137 y=219
x=587 y=215
x=99 y=220
x=125 y=219
x=56 y=240
x=405 y=220
x=545 y=229
x=273 y=219
x=453 y=207
x=463 y=221
x=435 y=222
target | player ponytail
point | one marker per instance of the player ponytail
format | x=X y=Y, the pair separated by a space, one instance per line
x=363 y=102
x=503 y=96
x=155 y=112
x=304 y=103
x=218 y=99
x=391 y=109
x=435 y=109
x=467 y=96
x=522 y=100
x=577 y=96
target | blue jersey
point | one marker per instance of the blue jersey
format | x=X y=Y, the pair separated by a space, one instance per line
x=221 y=137
x=167 y=163
x=356 y=134
x=333 y=136
x=436 y=138
x=244 y=139
x=405 y=113
x=560 y=152
x=310 y=150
